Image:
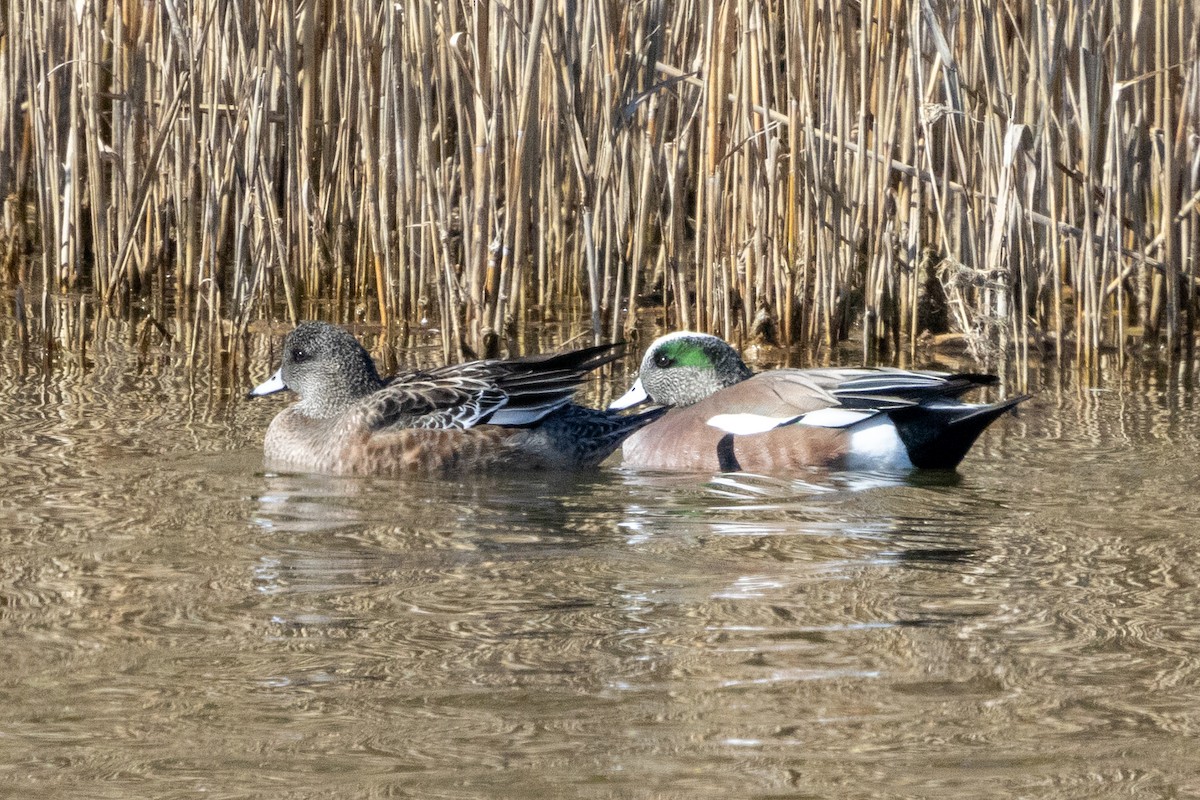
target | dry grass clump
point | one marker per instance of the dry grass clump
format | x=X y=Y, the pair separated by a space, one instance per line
x=1026 y=174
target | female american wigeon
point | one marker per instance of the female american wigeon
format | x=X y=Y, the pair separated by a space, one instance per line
x=727 y=418
x=481 y=415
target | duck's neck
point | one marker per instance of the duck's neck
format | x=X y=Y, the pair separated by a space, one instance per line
x=343 y=390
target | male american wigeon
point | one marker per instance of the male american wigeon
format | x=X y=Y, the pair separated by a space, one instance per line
x=727 y=418
x=496 y=414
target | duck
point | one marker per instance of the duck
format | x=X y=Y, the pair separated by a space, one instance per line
x=515 y=413
x=726 y=418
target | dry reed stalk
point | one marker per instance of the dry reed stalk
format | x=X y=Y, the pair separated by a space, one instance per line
x=476 y=166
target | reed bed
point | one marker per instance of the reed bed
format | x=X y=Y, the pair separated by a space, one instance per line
x=1023 y=174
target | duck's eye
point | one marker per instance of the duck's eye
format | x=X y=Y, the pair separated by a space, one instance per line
x=299 y=354
x=662 y=360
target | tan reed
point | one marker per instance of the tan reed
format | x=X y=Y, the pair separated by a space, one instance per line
x=803 y=171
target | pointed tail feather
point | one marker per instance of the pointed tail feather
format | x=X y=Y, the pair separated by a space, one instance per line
x=583 y=360
x=939 y=436
x=590 y=435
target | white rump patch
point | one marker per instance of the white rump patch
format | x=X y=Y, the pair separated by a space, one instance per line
x=876 y=444
x=636 y=394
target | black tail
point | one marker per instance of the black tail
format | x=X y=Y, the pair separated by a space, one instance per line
x=938 y=436
x=893 y=388
x=591 y=435
x=582 y=360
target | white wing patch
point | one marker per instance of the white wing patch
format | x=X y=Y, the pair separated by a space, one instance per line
x=836 y=417
x=748 y=424
x=874 y=440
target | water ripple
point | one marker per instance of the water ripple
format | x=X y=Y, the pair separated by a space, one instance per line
x=178 y=621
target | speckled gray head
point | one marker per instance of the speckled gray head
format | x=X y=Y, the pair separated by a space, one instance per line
x=683 y=368
x=326 y=366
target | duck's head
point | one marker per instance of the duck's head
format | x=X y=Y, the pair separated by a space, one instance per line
x=683 y=368
x=326 y=366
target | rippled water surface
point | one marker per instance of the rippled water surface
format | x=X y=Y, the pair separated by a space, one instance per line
x=176 y=623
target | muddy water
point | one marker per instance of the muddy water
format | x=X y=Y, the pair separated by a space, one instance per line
x=175 y=622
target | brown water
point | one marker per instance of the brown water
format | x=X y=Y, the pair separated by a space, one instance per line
x=174 y=622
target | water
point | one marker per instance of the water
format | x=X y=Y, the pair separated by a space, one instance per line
x=177 y=623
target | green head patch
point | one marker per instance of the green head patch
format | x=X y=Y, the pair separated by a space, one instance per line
x=681 y=353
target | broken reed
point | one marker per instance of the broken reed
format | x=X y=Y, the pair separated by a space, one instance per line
x=1027 y=174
